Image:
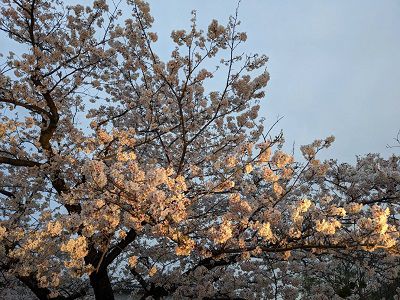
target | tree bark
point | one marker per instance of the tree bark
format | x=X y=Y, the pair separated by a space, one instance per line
x=30 y=282
x=101 y=285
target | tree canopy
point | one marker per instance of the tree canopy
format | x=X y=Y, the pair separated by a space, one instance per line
x=119 y=170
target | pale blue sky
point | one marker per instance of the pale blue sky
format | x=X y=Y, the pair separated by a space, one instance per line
x=334 y=65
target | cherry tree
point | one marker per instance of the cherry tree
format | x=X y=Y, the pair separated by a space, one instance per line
x=119 y=169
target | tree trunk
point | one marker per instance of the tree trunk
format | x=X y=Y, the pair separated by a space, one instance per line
x=101 y=285
x=31 y=283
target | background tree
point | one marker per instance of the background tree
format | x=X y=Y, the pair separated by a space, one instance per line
x=119 y=169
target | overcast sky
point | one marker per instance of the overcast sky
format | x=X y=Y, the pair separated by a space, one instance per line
x=334 y=65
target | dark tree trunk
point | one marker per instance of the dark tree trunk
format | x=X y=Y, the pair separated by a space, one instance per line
x=30 y=282
x=101 y=285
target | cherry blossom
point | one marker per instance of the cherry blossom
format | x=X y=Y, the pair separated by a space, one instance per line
x=121 y=170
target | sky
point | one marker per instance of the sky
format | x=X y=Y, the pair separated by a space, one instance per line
x=334 y=65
